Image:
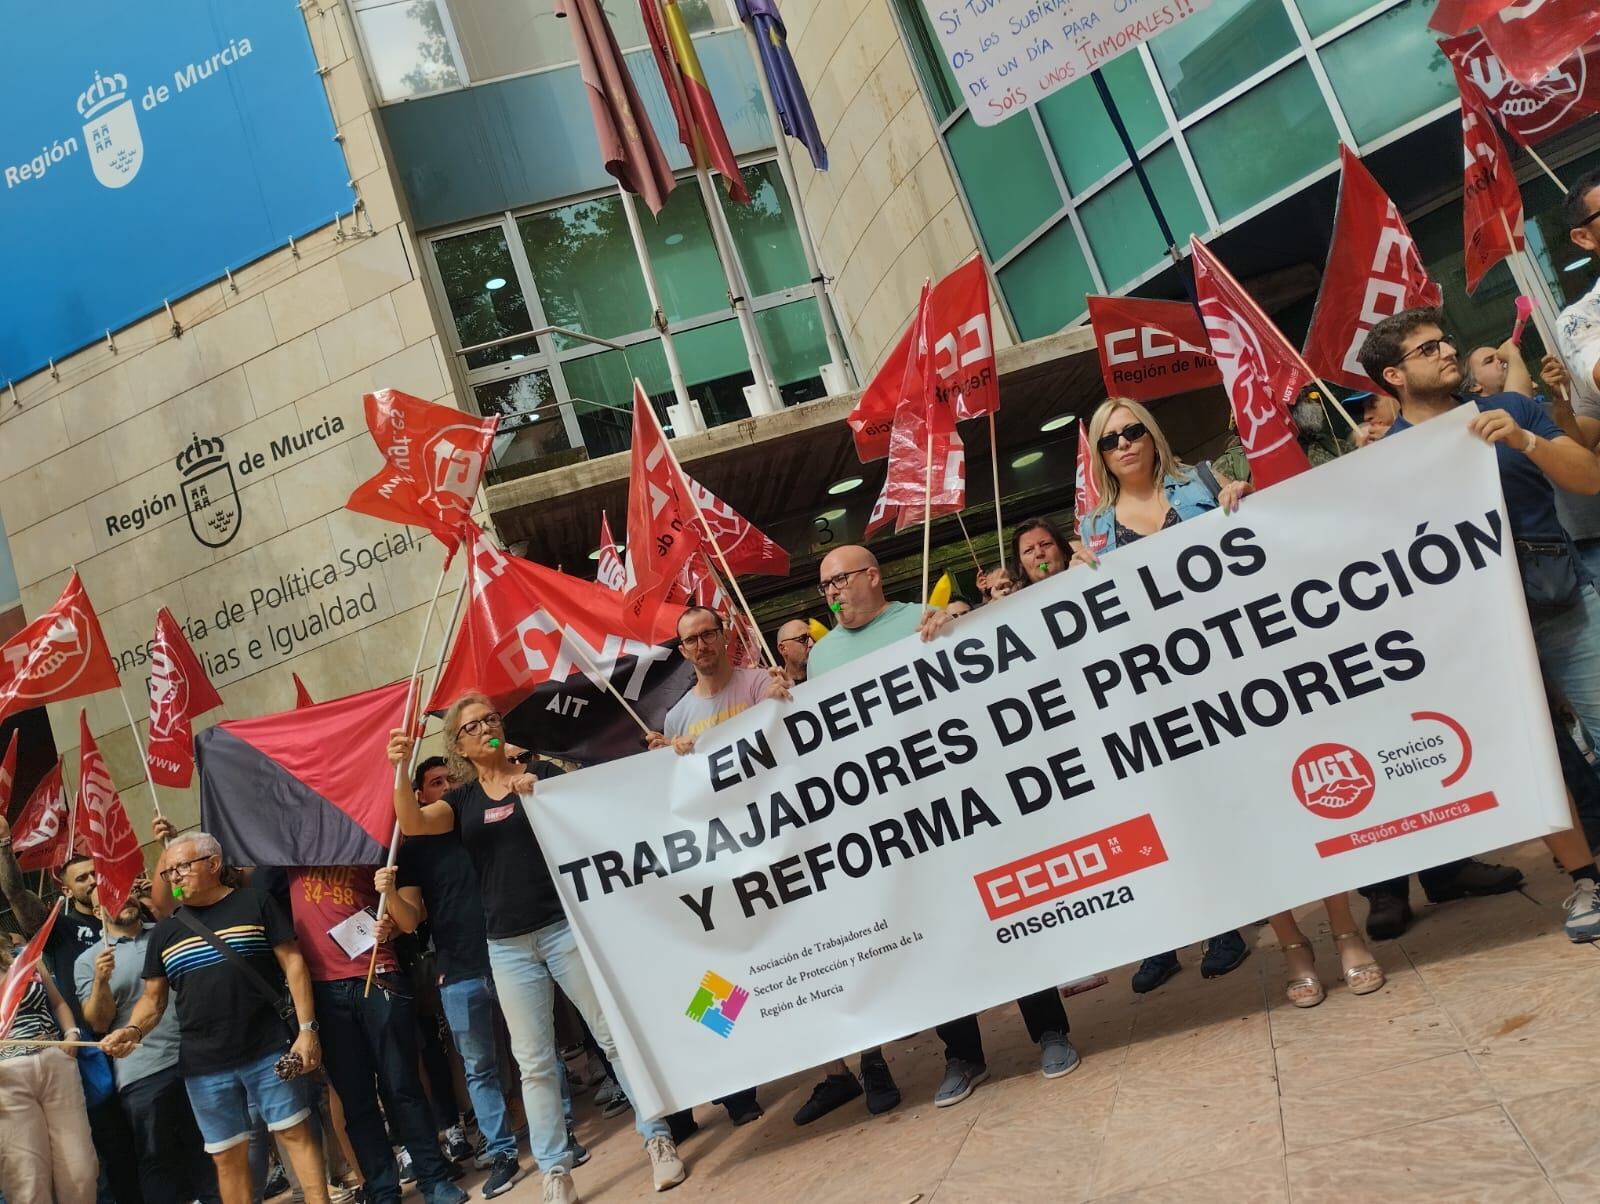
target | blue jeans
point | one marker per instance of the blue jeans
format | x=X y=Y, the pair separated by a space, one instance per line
x=526 y=969
x=1568 y=641
x=469 y=1008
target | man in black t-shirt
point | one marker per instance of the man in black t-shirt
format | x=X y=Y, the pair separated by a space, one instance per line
x=232 y=1035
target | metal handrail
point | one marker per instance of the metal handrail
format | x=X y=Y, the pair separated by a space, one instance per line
x=534 y=334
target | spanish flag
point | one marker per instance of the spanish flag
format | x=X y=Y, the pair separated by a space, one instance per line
x=699 y=125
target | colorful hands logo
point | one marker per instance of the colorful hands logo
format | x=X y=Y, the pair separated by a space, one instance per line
x=717 y=1004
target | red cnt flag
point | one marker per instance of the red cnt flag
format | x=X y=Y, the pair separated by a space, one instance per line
x=20 y=976
x=746 y=546
x=1150 y=349
x=8 y=775
x=118 y=860
x=1567 y=93
x=1530 y=37
x=1374 y=271
x=699 y=124
x=526 y=624
x=42 y=836
x=60 y=655
x=612 y=573
x=302 y=696
x=1491 y=203
x=662 y=531
x=963 y=362
x=179 y=690
x=1260 y=369
x=1088 y=492
x=434 y=460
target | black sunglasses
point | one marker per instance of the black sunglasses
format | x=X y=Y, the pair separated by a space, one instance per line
x=1133 y=432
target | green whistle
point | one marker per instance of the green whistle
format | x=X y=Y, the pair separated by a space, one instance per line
x=177 y=892
x=1044 y=568
x=494 y=742
x=834 y=606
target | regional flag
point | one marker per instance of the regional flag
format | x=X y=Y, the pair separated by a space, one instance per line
x=60 y=655
x=311 y=786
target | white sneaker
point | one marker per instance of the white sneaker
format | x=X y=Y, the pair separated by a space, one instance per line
x=665 y=1165
x=1583 y=911
x=559 y=1187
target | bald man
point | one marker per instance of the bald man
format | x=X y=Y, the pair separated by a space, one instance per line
x=793 y=645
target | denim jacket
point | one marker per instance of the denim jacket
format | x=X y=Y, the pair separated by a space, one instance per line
x=1188 y=495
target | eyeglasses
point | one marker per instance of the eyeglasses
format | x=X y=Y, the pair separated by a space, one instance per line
x=180 y=869
x=1427 y=349
x=1133 y=432
x=1587 y=220
x=838 y=581
x=806 y=639
x=696 y=638
x=474 y=726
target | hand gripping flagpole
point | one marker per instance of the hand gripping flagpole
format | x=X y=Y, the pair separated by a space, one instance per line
x=412 y=692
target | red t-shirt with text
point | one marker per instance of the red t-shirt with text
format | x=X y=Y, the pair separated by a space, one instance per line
x=323 y=897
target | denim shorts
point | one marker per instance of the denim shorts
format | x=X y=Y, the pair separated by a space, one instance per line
x=222 y=1101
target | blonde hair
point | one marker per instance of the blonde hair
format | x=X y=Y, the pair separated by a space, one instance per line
x=1167 y=464
x=461 y=769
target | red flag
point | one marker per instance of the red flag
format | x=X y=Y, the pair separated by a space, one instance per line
x=1568 y=92
x=42 y=836
x=662 y=532
x=179 y=690
x=1150 y=349
x=302 y=696
x=1533 y=36
x=1260 y=369
x=1458 y=16
x=699 y=124
x=435 y=459
x=20 y=976
x=612 y=573
x=1088 y=492
x=963 y=362
x=526 y=624
x=1374 y=271
x=60 y=655
x=8 y=775
x=118 y=860
x=1491 y=203
x=747 y=548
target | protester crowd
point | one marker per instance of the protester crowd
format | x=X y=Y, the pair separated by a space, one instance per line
x=263 y=1028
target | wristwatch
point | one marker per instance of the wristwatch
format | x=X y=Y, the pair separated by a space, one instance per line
x=310 y=1026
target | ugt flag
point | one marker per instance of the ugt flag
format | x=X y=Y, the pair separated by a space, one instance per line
x=1491 y=202
x=60 y=655
x=1563 y=96
x=179 y=690
x=434 y=460
x=118 y=860
x=42 y=838
x=611 y=572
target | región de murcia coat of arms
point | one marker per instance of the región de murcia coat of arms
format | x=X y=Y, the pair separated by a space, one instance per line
x=209 y=492
x=111 y=130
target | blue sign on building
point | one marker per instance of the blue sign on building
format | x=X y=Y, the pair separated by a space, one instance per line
x=148 y=146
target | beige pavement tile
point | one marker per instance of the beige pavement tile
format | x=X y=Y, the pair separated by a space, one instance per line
x=1263 y=1181
x=1535 y=1036
x=1317 y=1114
x=1003 y=1158
x=1559 y=1127
x=1477 y=1156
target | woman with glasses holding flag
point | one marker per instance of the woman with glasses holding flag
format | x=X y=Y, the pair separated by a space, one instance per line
x=531 y=946
x=1144 y=489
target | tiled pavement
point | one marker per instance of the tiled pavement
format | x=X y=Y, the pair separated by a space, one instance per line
x=1470 y=1076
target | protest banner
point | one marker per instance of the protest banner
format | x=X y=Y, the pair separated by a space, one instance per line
x=1235 y=717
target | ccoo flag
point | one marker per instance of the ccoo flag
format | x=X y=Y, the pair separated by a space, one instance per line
x=783 y=78
x=179 y=690
x=662 y=532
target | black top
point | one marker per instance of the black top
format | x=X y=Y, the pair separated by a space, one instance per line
x=223 y=1020
x=74 y=932
x=518 y=894
x=1126 y=535
x=440 y=866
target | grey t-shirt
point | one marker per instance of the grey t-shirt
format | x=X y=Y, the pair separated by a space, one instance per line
x=691 y=714
x=159 y=1048
x=1578 y=336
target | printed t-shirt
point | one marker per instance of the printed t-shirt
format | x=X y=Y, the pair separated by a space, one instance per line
x=692 y=714
x=518 y=894
x=323 y=897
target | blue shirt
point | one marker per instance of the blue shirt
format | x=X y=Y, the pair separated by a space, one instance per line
x=1530 y=498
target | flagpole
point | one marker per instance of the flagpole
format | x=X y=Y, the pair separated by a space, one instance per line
x=738 y=293
x=994 y=462
x=970 y=549
x=144 y=761
x=927 y=515
x=1545 y=167
x=658 y=316
x=819 y=285
x=716 y=578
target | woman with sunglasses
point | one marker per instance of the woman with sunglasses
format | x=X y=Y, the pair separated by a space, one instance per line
x=1145 y=489
x=531 y=946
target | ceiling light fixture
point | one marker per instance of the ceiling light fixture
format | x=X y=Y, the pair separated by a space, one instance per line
x=1027 y=458
x=844 y=486
x=1056 y=423
x=833 y=516
x=497 y=282
x=1576 y=264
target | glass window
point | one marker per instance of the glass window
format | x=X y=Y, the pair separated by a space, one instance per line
x=1082 y=136
x=796 y=347
x=587 y=274
x=1005 y=177
x=531 y=418
x=1121 y=229
x=1264 y=141
x=484 y=294
x=938 y=81
x=1398 y=48
x=601 y=388
x=1203 y=56
x=1046 y=284
x=1322 y=15
x=407 y=49
x=509 y=37
x=764 y=231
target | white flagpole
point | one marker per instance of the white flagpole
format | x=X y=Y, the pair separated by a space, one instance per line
x=658 y=317
x=927 y=513
x=144 y=760
x=738 y=292
x=994 y=462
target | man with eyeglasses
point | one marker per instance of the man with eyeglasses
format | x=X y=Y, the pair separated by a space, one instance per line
x=1410 y=355
x=793 y=646
x=230 y=1035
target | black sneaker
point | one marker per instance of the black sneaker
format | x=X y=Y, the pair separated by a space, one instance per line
x=1388 y=916
x=882 y=1094
x=277 y=1182
x=502 y=1176
x=743 y=1110
x=576 y=1149
x=456 y=1146
x=1476 y=878
x=682 y=1125
x=1223 y=955
x=616 y=1105
x=1154 y=971
x=833 y=1092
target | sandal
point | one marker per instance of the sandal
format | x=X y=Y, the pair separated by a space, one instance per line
x=1365 y=978
x=1304 y=992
